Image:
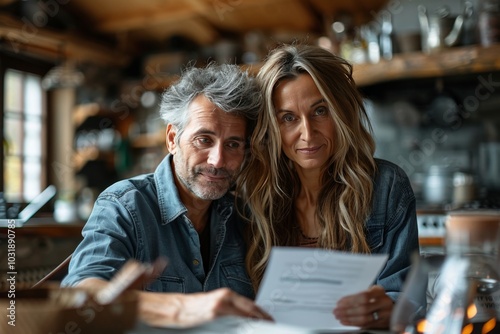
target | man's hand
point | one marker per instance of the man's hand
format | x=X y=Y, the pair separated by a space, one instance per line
x=175 y=309
x=369 y=309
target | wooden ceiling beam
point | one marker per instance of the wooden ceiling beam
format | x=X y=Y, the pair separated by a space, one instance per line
x=22 y=36
x=120 y=21
x=6 y=2
x=197 y=30
x=180 y=13
x=182 y=17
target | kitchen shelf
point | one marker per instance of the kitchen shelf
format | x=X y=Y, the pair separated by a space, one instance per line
x=149 y=140
x=82 y=112
x=82 y=156
x=448 y=62
x=414 y=65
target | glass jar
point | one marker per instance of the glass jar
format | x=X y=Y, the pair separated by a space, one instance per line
x=462 y=287
x=489 y=22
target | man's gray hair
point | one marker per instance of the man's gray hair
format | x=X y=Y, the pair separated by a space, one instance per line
x=225 y=85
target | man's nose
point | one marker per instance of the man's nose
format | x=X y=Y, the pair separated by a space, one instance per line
x=216 y=156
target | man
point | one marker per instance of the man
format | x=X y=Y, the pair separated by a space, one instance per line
x=183 y=210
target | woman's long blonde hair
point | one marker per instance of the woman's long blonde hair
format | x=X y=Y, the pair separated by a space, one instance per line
x=268 y=182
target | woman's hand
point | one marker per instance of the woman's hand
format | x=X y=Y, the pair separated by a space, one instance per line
x=368 y=309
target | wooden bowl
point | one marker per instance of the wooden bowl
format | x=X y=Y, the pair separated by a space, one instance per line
x=65 y=310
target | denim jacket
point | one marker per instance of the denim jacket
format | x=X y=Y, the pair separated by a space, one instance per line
x=143 y=218
x=392 y=226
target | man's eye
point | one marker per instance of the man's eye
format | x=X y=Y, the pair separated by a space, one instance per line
x=203 y=141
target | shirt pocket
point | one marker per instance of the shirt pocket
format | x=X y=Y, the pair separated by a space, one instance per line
x=235 y=277
x=375 y=237
x=167 y=284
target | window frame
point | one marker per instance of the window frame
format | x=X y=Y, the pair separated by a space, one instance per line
x=21 y=62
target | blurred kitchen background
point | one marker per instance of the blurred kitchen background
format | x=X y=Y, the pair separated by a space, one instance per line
x=81 y=82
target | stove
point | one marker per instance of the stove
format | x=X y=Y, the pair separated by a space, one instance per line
x=431 y=221
x=431 y=224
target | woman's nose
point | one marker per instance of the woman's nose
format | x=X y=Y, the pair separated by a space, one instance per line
x=305 y=129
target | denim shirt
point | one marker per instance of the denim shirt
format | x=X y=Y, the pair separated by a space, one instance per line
x=143 y=218
x=392 y=226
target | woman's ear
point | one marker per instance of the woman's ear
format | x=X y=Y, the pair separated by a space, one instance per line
x=171 y=133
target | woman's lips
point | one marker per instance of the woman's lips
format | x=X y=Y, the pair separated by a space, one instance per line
x=309 y=150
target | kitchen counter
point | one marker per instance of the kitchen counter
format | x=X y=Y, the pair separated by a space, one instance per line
x=46 y=226
x=41 y=244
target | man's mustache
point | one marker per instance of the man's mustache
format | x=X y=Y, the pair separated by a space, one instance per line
x=213 y=171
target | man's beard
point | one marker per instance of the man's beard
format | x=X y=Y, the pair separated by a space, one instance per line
x=207 y=190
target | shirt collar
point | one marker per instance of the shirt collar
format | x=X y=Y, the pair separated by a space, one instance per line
x=169 y=201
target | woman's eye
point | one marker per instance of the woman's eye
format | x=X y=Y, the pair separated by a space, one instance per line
x=321 y=111
x=234 y=145
x=287 y=118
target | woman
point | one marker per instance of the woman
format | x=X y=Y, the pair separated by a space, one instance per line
x=311 y=179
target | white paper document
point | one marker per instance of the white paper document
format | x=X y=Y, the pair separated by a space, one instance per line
x=301 y=286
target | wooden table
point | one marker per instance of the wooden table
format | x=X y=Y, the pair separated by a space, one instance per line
x=234 y=325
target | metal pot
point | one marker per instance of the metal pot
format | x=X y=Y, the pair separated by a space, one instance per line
x=441 y=30
x=438 y=185
x=489 y=165
x=444 y=109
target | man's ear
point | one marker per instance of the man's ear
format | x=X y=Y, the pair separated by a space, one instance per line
x=171 y=133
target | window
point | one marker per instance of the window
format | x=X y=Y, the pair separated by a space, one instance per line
x=24 y=129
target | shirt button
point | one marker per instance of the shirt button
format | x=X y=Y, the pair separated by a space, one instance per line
x=196 y=262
